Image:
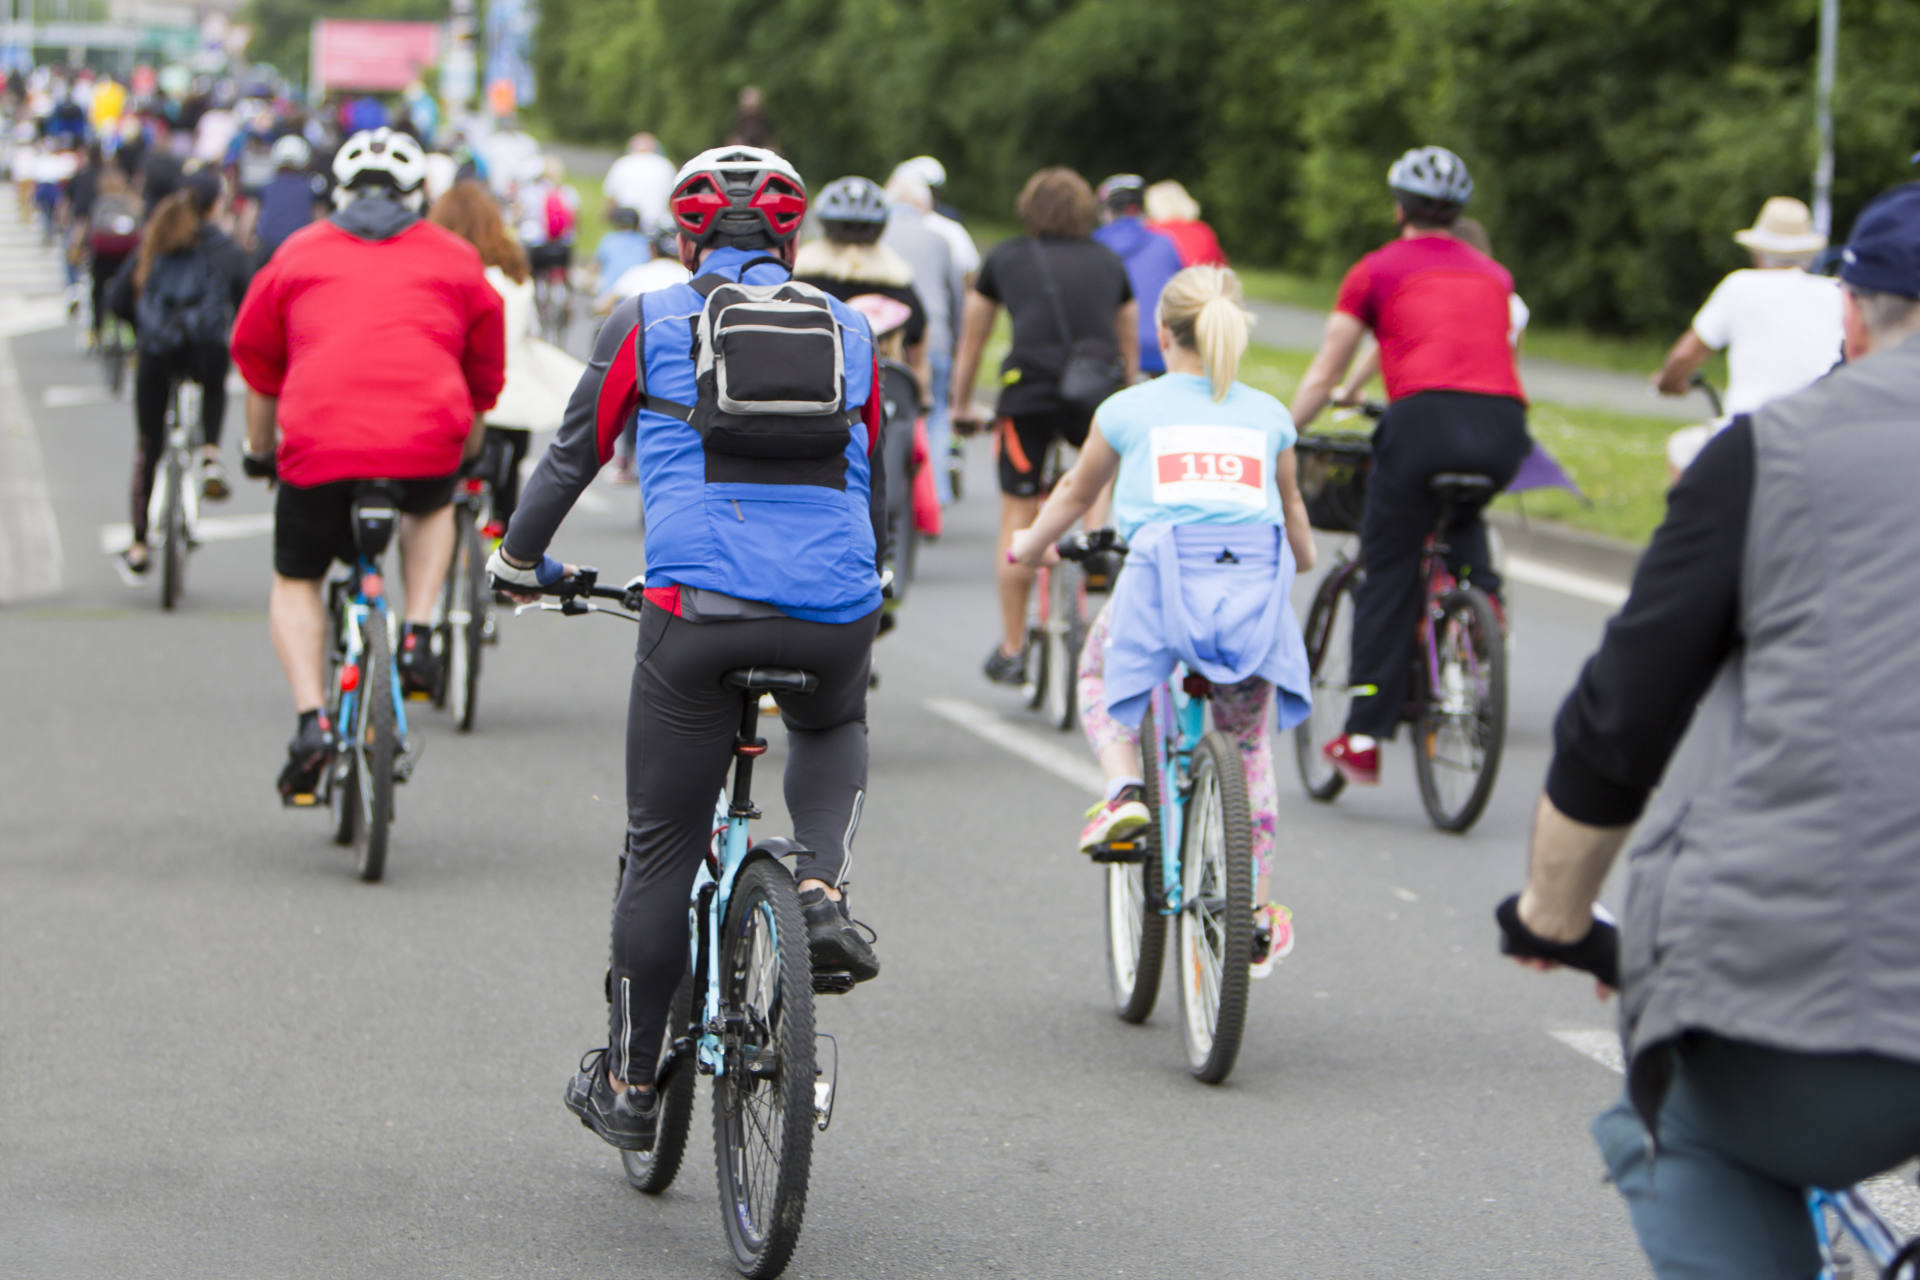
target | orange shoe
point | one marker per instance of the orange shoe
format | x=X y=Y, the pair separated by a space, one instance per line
x=1357 y=764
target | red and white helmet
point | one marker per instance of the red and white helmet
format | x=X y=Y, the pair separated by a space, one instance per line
x=745 y=196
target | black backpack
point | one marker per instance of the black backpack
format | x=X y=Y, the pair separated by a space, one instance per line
x=183 y=306
x=770 y=373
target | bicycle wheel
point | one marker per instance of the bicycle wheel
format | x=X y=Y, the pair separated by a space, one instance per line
x=1463 y=725
x=1136 y=931
x=653 y=1171
x=1066 y=633
x=763 y=1119
x=1329 y=636
x=469 y=580
x=173 y=530
x=374 y=746
x=113 y=356
x=1034 y=687
x=1216 y=916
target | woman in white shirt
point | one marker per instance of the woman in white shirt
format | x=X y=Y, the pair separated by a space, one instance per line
x=540 y=376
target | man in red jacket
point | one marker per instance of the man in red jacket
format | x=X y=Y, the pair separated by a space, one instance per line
x=374 y=344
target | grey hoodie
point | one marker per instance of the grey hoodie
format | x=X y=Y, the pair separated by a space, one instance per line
x=374 y=217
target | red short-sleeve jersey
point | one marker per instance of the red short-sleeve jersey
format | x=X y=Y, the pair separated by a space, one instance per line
x=1439 y=310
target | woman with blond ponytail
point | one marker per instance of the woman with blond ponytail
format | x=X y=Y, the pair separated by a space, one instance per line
x=1205 y=495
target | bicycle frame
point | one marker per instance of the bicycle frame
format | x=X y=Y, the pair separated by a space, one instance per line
x=1185 y=714
x=1859 y=1219
x=367 y=606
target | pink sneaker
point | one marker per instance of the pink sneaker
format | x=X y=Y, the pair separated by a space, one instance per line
x=1359 y=765
x=1272 y=937
x=1111 y=819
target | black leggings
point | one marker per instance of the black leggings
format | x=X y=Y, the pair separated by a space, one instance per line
x=1421 y=436
x=104 y=268
x=681 y=723
x=153 y=381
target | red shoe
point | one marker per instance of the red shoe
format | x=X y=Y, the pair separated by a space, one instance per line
x=1359 y=765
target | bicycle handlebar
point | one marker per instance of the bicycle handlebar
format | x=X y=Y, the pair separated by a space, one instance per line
x=1078 y=546
x=1597 y=954
x=1698 y=382
x=576 y=593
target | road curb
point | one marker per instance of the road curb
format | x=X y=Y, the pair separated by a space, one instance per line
x=1576 y=551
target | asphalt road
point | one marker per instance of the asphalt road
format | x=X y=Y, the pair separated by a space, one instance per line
x=222 y=1055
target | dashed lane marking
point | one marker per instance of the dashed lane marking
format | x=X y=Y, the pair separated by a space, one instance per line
x=30 y=556
x=75 y=397
x=1894 y=1195
x=1579 y=585
x=1062 y=763
x=114 y=538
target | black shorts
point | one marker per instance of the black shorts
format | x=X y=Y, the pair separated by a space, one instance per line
x=551 y=256
x=313 y=527
x=1021 y=444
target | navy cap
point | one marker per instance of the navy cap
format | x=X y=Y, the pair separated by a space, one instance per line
x=1883 y=253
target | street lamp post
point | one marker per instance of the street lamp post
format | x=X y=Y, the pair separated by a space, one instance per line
x=1823 y=111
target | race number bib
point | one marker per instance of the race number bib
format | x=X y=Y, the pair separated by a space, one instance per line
x=1209 y=466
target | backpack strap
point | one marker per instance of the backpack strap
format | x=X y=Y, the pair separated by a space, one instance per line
x=648 y=401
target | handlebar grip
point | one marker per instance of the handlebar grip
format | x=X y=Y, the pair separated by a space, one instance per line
x=1598 y=953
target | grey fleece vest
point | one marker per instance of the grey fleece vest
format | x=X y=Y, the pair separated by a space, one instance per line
x=1774 y=884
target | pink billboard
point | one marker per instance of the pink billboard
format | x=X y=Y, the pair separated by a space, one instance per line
x=379 y=57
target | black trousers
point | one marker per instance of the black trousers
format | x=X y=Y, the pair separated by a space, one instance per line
x=681 y=723
x=1420 y=437
x=153 y=380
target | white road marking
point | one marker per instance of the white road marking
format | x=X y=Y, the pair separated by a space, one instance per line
x=1894 y=1195
x=1068 y=765
x=30 y=554
x=30 y=315
x=75 y=397
x=115 y=537
x=1537 y=574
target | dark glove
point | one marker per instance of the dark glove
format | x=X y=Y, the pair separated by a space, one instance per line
x=1598 y=953
x=260 y=466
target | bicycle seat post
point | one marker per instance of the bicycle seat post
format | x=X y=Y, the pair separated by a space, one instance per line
x=747 y=747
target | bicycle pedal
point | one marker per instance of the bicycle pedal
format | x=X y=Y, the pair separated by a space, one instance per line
x=832 y=982
x=304 y=800
x=1119 y=851
x=404 y=761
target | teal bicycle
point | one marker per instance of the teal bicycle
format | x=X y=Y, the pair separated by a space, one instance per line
x=1191 y=866
x=743 y=1014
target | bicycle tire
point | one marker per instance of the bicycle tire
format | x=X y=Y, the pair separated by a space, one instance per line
x=113 y=357
x=1329 y=635
x=343 y=798
x=653 y=1171
x=1066 y=634
x=374 y=747
x=1136 y=931
x=473 y=638
x=763 y=1204
x=1033 y=660
x=1216 y=917
x=173 y=558
x=1466 y=618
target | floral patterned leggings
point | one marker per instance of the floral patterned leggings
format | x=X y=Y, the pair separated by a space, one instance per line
x=1239 y=710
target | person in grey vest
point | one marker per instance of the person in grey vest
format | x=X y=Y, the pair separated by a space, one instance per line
x=1767 y=664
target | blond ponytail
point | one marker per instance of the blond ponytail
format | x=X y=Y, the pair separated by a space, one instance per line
x=1203 y=308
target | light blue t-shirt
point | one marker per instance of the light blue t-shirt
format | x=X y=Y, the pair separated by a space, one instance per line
x=1187 y=459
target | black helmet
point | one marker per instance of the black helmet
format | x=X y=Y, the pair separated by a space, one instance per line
x=852 y=210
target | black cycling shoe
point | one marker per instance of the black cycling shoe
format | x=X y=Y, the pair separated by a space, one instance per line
x=834 y=942
x=1005 y=668
x=420 y=671
x=619 y=1118
x=307 y=758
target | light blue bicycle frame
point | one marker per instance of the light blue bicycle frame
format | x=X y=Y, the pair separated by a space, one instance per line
x=1177 y=712
x=363 y=610
x=711 y=896
x=1860 y=1220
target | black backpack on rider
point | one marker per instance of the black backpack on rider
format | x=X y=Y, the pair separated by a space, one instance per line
x=184 y=305
x=770 y=373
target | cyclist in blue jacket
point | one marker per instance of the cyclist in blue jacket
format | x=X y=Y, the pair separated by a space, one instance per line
x=749 y=561
x=1152 y=258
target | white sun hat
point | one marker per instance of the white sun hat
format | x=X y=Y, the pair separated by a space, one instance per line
x=1784 y=226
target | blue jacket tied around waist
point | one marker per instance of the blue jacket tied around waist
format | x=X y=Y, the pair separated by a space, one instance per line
x=1215 y=597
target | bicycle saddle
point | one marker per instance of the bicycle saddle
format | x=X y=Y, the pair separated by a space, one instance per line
x=375 y=515
x=1454 y=487
x=771 y=680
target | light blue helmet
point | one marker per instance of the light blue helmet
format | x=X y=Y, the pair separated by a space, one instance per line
x=1433 y=173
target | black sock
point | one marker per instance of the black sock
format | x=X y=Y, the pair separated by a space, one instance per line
x=419 y=634
x=307 y=718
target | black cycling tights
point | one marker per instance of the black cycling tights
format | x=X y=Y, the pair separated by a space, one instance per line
x=153 y=381
x=681 y=723
x=1421 y=436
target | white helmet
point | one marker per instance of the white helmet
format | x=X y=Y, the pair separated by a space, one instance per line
x=380 y=157
x=1432 y=173
x=927 y=169
x=291 y=152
